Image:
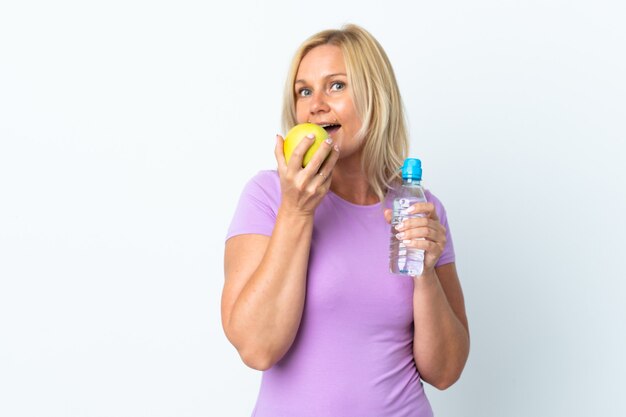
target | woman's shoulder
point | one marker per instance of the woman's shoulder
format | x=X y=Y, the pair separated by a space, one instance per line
x=265 y=179
x=266 y=175
x=432 y=198
x=264 y=185
x=258 y=205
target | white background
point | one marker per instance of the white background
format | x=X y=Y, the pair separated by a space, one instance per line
x=128 y=129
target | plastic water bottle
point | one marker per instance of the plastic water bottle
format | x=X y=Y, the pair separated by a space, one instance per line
x=402 y=259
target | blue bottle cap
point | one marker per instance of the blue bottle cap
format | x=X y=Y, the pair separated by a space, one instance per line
x=412 y=169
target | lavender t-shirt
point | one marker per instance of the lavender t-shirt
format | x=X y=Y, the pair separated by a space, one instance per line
x=353 y=355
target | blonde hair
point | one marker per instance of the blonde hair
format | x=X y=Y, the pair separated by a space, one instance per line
x=376 y=97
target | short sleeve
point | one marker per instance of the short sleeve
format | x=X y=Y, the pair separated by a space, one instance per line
x=448 y=255
x=257 y=207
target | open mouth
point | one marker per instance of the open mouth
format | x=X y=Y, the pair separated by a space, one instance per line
x=331 y=128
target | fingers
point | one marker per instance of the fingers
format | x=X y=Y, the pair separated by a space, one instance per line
x=306 y=185
x=330 y=155
x=319 y=162
x=425 y=233
x=422 y=228
x=297 y=156
x=426 y=208
x=433 y=249
x=279 y=152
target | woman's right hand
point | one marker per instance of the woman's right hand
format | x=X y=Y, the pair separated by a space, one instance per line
x=303 y=188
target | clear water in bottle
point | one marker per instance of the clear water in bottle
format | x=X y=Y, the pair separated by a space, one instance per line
x=402 y=259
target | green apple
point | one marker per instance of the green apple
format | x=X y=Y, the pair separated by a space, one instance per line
x=299 y=132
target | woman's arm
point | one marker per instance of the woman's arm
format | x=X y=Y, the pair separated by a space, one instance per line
x=264 y=289
x=441 y=338
x=265 y=277
x=441 y=334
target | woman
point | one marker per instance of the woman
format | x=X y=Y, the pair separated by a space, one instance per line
x=308 y=296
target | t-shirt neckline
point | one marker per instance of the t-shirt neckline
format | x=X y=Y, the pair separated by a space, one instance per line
x=350 y=204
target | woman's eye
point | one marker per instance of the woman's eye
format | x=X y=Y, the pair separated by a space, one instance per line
x=337 y=85
x=304 y=92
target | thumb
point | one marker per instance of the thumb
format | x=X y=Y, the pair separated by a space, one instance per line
x=388 y=214
x=279 y=153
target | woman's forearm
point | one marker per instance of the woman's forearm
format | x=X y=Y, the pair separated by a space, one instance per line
x=266 y=315
x=441 y=341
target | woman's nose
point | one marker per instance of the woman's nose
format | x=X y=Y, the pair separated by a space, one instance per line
x=318 y=103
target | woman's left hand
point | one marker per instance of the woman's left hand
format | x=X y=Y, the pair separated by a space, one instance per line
x=425 y=233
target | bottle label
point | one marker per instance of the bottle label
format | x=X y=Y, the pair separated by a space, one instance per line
x=401 y=205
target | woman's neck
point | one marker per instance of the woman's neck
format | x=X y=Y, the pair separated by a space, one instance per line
x=350 y=183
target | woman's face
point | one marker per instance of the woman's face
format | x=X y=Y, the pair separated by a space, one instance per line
x=323 y=96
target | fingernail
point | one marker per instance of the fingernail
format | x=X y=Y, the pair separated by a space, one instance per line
x=400 y=226
x=410 y=209
x=329 y=141
x=400 y=235
x=406 y=242
x=277 y=136
x=310 y=136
